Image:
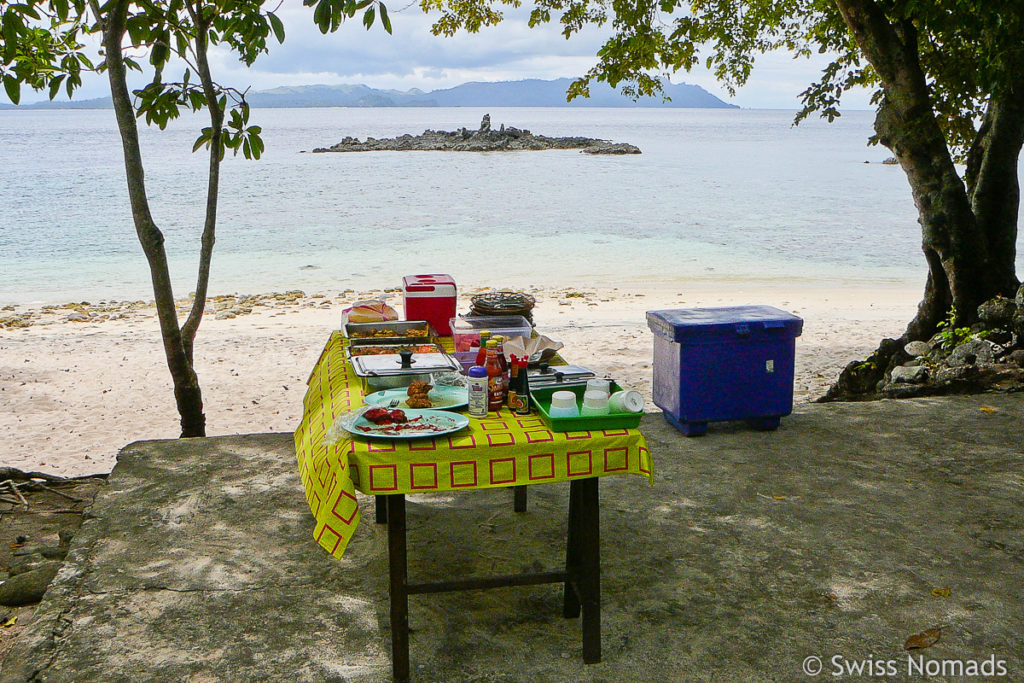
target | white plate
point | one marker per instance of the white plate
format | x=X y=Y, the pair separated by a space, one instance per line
x=442 y=398
x=439 y=421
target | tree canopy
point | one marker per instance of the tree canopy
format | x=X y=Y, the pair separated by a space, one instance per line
x=947 y=78
x=48 y=44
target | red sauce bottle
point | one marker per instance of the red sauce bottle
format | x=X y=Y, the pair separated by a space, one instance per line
x=481 y=354
x=495 y=378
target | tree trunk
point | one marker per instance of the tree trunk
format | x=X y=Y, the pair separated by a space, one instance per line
x=187 y=394
x=968 y=237
x=993 y=183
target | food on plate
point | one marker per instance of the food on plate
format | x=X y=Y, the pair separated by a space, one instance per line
x=418 y=397
x=407 y=426
x=419 y=387
x=419 y=401
x=383 y=416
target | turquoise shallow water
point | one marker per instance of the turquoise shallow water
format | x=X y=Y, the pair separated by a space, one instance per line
x=716 y=195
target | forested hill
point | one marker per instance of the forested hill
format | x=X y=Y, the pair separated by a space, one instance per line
x=526 y=93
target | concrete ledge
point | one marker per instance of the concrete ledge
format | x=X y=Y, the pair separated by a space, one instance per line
x=751 y=552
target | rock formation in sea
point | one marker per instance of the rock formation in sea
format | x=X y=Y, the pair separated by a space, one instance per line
x=484 y=139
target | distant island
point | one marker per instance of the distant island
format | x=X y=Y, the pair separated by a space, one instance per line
x=527 y=93
x=484 y=139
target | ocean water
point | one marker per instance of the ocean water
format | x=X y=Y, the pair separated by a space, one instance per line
x=716 y=195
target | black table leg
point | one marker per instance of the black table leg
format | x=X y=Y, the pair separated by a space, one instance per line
x=398 y=586
x=380 y=509
x=570 y=598
x=519 y=498
x=590 y=567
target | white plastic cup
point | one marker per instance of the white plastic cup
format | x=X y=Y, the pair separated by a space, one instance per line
x=563 y=404
x=599 y=384
x=628 y=401
x=595 y=402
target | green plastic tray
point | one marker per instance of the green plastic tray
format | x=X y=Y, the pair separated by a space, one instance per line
x=541 y=399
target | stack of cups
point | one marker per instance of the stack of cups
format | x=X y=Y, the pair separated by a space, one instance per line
x=595 y=398
x=563 y=404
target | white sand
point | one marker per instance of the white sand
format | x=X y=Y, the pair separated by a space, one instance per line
x=73 y=393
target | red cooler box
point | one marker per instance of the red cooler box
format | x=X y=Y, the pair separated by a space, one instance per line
x=430 y=298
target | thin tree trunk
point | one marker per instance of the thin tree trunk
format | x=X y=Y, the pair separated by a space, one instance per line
x=187 y=394
x=195 y=316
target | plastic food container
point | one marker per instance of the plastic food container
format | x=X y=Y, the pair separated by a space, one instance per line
x=466 y=331
x=541 y=399
x=431 y=298
x=733 y=363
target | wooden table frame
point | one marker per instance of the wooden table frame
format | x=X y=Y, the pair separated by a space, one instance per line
x=581 y=577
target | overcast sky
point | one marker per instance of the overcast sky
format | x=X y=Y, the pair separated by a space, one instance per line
x=414 y=58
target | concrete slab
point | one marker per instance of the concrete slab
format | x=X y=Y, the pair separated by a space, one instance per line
x=752 y=552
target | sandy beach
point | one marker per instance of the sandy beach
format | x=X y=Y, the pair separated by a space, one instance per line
x=80 y=381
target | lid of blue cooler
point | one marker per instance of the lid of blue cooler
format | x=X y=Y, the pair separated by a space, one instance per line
x=727 y=323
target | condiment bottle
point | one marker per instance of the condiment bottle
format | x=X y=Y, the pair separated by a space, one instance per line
x=513 y=385
x=478 y=398
x=481 y=354
x=502 y=361
x=523 y=392
x=495 y=378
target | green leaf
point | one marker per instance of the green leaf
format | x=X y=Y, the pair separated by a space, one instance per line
x=384 y=19
x=368 y=18
x=12 y=26
x=277 y=26
x=201 y=140
x=13 y=88
x=55 y=86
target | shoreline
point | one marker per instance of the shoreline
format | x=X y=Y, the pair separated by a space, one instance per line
x=82 y=380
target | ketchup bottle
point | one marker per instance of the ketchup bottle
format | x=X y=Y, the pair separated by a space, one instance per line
x=481 y=354
x=502 y=361
x=495 y=378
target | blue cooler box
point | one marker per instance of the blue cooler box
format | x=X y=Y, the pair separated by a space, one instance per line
x=733 y=363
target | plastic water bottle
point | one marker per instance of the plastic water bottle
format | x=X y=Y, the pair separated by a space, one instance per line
x=478 y=391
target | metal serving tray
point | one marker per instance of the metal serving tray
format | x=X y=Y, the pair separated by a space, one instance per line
x=559 y=376
x=418 y=348
x=386 y=365
x=400 y=332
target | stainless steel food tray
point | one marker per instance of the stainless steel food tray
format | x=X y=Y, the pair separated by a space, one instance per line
x=559 y=376
x=386 y=365
x=418 y=348
x=401 y=329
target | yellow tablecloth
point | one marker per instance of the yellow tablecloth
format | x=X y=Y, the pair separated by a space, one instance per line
x=502 y=450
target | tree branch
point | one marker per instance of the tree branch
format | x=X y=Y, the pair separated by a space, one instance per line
x=213 y=183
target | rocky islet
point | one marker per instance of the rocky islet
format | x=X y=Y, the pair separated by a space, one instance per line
x=484 y=139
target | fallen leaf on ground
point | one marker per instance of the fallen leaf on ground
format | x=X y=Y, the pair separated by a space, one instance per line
x=941 y=592
x=779 y=497
x=15 y=546
x=11 y=622
x=988 y=409
x=922 y=640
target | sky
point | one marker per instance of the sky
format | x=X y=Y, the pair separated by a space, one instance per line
x=414 y=58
